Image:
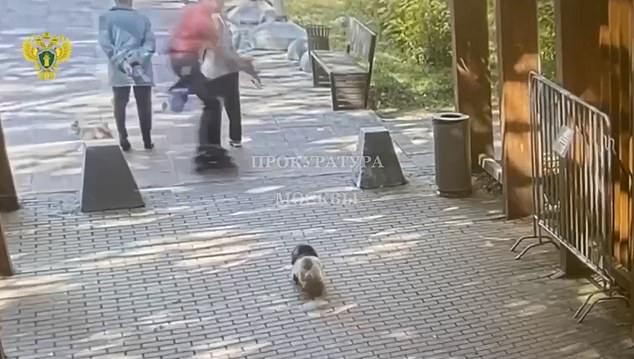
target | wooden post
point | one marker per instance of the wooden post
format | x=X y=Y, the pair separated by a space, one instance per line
x=578 y=25
x=8 y=195
x=8 y=202
x=616 y=43
x=518 y=56
x=470 y=32
x=6 y=267
x=595 y=50
x=2 y=354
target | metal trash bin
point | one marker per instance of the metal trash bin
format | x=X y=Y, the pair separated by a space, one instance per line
x=452 y=154
x=318 y=36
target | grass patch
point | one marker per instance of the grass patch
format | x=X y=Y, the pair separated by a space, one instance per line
x=400 y=84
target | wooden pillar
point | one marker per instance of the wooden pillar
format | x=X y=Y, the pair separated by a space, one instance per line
x=518 y=55
x=8 y=195
x=2 y=354
x=6 y=267
x=578 y=25
x=595 y=63
x=470 y=32
x=8 y=202
x=616 y=42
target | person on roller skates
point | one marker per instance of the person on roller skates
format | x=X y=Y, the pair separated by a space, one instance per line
x=212 y=76
x=203 y=30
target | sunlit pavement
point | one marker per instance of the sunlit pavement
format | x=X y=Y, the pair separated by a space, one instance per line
x=203 y=271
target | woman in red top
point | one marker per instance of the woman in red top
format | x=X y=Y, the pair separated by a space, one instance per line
x=194 y=33
x=202 y=36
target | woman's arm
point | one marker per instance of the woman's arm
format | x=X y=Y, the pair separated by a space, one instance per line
x=149 y=41
x=219 y=28
x=105 y=41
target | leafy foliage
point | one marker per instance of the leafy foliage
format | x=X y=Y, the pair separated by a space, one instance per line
x=420 y=29
x=547 y=37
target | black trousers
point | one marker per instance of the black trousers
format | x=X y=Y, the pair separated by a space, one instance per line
x=210 y=92
x=143 y=96
x=226 y=88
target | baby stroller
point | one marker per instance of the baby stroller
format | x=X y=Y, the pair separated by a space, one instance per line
x=177 y=99
x=178 y=93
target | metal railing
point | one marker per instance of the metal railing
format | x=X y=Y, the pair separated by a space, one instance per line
x=572 y=161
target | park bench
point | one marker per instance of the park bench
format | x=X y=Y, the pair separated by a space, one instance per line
x=318 y=39
x=349 y=71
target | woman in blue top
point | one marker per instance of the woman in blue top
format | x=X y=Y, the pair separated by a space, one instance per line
x=126 y=36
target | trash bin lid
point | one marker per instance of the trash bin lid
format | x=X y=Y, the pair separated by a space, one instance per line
x=450 y=117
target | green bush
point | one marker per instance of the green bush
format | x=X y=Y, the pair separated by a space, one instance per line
x=420 y=29
x=547 y=37
x=364 y=10
x=414 y=51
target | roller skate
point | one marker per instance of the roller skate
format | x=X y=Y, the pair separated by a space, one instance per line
x=212 y=157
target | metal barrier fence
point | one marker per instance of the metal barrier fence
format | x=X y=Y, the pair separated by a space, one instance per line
x=572 y=152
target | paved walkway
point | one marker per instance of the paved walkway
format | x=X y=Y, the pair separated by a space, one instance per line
x=203 y=272
x=46 y=155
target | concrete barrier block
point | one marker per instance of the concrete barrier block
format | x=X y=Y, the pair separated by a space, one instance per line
x=378 y=165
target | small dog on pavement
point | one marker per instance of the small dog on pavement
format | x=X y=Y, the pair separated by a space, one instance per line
x=307 y=270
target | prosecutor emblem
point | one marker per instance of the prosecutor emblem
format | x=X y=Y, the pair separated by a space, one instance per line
x=46 y=52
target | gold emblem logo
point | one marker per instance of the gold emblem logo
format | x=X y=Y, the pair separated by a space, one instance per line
x=46 y=52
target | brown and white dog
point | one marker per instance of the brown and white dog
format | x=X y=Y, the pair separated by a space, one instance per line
x=307 y=271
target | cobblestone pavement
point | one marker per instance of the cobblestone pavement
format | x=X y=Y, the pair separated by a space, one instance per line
x=203 y=271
